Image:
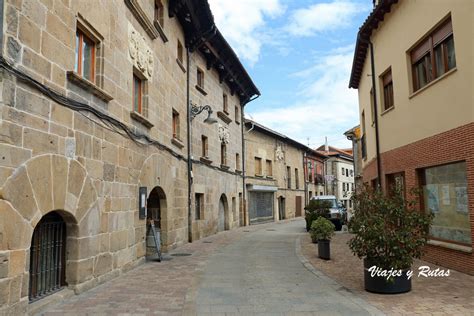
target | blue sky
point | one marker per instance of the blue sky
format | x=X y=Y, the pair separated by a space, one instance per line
x=299 y=54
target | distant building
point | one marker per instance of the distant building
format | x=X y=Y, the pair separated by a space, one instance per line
x=275 y=181
x=339 y=173
x=413 y=68
x=314 y=173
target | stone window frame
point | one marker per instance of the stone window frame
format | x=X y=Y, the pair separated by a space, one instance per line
x=200 y=79
x=142 y=116
x=237 y=114
x=176 y=130
x=225 y=103
x=152 y=28
x=258 y=167
x=224 y=156
x=269 y=168
x=93 y=86
x=237 y=162
x=180 y=55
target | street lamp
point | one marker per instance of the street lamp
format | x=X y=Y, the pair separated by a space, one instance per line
x=196 y=110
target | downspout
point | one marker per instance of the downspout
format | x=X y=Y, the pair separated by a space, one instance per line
x=190 y=164
x=2 y=3
x=376 y=120
x=242 y=122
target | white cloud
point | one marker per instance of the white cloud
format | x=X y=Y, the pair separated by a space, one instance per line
x=322 y=17
x=242 y=23
x=324 y=106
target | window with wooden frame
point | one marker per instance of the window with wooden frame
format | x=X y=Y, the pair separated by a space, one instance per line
x=237 y=114
x=237 y=161
x=159 y=13
x=138 y=94
x=200 y=78
x=223 y=154
x=269 y=169
x=387 y=83
x=176 y=132
x=180 y=53
x=434 y=56
x=204 y=147
x=258 y=166
x=85 y=56
x=225 y=106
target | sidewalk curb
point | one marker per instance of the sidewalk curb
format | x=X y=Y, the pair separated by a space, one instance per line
x=333 y=284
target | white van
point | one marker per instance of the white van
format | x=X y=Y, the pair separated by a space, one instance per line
x=338 y=214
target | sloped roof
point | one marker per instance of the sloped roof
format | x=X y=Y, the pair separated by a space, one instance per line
x=363 y=36
x=202 y=34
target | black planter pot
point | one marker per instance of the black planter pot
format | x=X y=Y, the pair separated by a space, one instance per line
x=380 y=284
x=324 y=249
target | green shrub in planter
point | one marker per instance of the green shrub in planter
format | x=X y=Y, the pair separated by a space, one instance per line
x=390 y=231
x=322 y=229
x=315 y=209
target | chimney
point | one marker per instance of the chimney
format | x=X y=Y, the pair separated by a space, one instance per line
x=326 y=147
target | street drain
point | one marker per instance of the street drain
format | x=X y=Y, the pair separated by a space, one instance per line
x=181 y=254
x=246 y=231
x=207 y=242
x=270 y=230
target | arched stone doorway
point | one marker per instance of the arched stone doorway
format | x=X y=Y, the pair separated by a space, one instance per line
x=47 y=267
x=156 y=212
x=223 y=214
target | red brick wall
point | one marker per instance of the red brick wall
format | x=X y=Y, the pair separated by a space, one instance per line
x=451 y=146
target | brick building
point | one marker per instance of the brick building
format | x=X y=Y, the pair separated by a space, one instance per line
x=416 y=111
x=274 y=170
x=99 y=118
x=314 y=173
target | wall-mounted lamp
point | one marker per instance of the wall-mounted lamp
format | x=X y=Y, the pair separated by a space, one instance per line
x=196 y=110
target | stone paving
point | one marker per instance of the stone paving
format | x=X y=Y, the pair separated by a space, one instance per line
x=453 y=295
x=269 y=269
x=248 y=271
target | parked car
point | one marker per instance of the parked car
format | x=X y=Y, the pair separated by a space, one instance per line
x=338 y=213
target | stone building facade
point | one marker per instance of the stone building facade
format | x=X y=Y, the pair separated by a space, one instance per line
x=99 y=121
x=274 y=174
x=416 y=115
x=339 y=168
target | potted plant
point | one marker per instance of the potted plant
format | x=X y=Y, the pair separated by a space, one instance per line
x=322 y=230
x=389 y=233
x=315 y=209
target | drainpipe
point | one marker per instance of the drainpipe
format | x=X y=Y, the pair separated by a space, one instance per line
x=1 y=26
x=190 y=164
x=377 y=137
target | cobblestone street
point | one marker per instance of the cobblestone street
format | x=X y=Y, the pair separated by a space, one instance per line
x=252 y=270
